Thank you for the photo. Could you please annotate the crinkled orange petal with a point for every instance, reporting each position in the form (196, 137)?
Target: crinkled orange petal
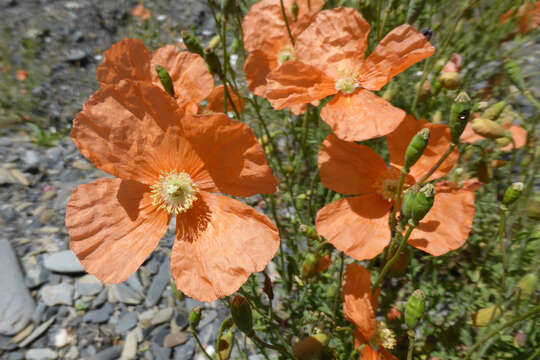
(191, 79)
(335, 42)
(219, 243)
(295, 83)
(400, 49)
(349, 168)
(357, 226)
(307, 9)
(323, 264)
(469, 136)
(113, 227)
(231, 154)
(361, 116)
(448, 223)
(216, 100)
(519, 135)
(438, 143)
(359, 305)
(141, 12)
(118, 127)
(257, 68)
(127, 59)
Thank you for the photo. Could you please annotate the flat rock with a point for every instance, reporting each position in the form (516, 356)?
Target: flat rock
(36, 276)
(130, 346)
(64, 262)
(88, 285)
(57, 294)
(174, 339)
(41, 354)
(37, 332)
(16, 304)
(100, 315)
(159, 283)
(111, 353)
(160, 353)
(123, 293)
(126, 322)
(162, 316)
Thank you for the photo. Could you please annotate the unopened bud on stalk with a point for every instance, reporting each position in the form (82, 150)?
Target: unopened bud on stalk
(459, 115)
(192, 43)
(311, 347)
(513, 71)
(241, 314)
(450, 80)
(486, 315)
(165, 79)
(416, 148)
(512, 193)
(309, 231)
(488, 128)
(195, 317)
(214, 42)
(414, 310)
(417, 202)
(414, 10)
(225, 345)
(309, 266)
(527, 285)
(494, 110)
(294, 10)
(212, 60)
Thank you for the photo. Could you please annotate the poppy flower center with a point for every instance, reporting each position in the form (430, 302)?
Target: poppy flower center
(383, 336)
(285, 54)
(387, 185)
(347, 81)
(174, 192)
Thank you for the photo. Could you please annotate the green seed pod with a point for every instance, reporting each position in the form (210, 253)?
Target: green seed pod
(513, 71)
(225, 345)
(414, 310)
(416, 148)
(241, 314)
(165, 79)
(494, 110)
(527, 285)
(309, 266)
(486, 315)
(450, 80)
(311, 347)
(195, 317)
(417, 202)
(459, 115)
(192, 43)
(488, 128)
(414, 10)
(512, 193)
(294, 10)
(309, 231)
(176, 293)
(212, 60)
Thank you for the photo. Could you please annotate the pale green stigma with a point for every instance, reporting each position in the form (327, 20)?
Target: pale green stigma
(285, 54)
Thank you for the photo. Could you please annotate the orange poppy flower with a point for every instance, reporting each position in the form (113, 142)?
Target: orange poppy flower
(528, 15)
(519, 135)
(359, 307)
(168, 163)
(358, 225)
(21, 75)
(192, 82)
(330, 61)
(141, 12)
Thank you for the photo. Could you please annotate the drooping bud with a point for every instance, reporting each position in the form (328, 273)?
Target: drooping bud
(309, 266)
(488, 128)
(195, 317)
(294, 10)
(212, 60)
(417, 202)
(416, 148)
(192, 43)
(459, 115)
(311, 347)
(485, 316)
(450, 80)
(414, 10)
(512, 193)
(513, 71)
(414, 310)
(494, 110)
(527, 285)
(176, 293)
(241, 314)
(165, 79)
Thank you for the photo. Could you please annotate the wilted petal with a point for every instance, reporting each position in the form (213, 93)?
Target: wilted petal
(357, 226)
(361, 116)
(400, 49)
(349, 168)
(335, 42)
(113, 227)
(219, 243)
(439, 141)
(359, 305)
(216, 100)
(127, 59)
(295, 83)
(448, 223)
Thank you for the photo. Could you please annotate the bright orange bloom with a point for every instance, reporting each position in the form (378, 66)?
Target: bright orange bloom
(141, 12)
(192, 82)
(330, 61)
(358, 225)
(528, 15)
(168, 163)
(267, 40)
(21, 75)
(359, 307)
(519, 135)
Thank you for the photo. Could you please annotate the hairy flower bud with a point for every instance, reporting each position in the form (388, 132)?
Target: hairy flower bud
(241, 314)
(165, 79)
(414, 310)
(486, 315)
(459, 115)
(450, 80)
(513, 71)
(195, 317)
(212, 60)
(488, 128)
(527, 285)
(493, 111)
(512, 193)
(192, 43)
(416, 148)
(311, 347)
(417, 202)
(309, 266)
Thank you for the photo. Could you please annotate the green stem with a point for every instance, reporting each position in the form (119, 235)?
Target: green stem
(194, 333)
(286, 21)
(503, 252)
(378, 20)
(278, 348)
(411, 344)
(341, 265)
(437, 164)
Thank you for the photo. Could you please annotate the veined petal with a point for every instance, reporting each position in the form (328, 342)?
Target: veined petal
(349, 168)
(400, 49)
(519, 135)
(219, 243)
(216, 100)
(359, 305)
(307, 9)
(264, 29)
(361, 116)
(357, 225)
(113, 227)
(127, 59)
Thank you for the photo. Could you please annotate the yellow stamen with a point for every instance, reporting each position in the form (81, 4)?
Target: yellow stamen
(174, 192)
(383, 336)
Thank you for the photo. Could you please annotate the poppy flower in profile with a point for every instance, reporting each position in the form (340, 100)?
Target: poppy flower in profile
(192, 82)
(519, 135)
(268, 42)
(330, 61)
(141, 12)
(358, 224)
(359, 306)
(528, 16)
(168, 162)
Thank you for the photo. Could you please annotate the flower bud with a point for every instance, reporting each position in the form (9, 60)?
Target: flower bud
(414, 10)
(527, 285)
(494, 110)
(459, 115)
(486, 315)
(165, 79)
(450, 80)
(513, 71)
(417, 202)
(192, 43)
(533, 208)
(488, 128)
(331, 291)
(484, 172)
(294, 10)
(268, 289)
(311, 347)
(225, 345)
(512, 193)
(212, 60)
(309, 266)
(241, 314)
(176, 293)
(416, 148)
(195, 317)
(414, 310)
(309, 231)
